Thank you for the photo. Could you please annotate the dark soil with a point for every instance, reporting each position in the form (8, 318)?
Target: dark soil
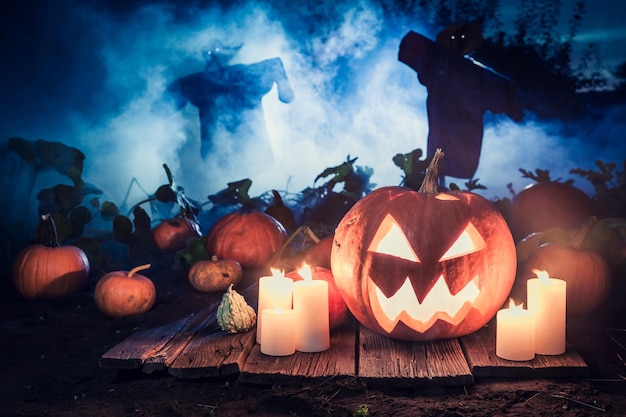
(50, 352)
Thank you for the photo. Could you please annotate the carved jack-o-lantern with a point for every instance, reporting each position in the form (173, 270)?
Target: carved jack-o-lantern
(423, 265)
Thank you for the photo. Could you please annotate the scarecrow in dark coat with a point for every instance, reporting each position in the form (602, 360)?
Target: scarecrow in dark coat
(460, 91)
(228, 98)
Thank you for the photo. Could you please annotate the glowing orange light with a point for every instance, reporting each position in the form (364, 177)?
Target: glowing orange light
(542, 275)
(305, 272)
(277, 273)
(516, 308)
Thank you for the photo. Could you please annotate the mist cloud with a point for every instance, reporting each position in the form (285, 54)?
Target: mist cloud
(352, 98)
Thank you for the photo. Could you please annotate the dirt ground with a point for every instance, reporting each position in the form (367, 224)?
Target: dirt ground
(49, 367)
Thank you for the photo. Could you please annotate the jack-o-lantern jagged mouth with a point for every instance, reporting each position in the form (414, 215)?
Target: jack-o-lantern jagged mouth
(439, 304)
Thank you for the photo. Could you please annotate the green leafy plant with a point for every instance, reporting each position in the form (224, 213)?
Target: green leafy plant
(609, 185)
(413, 167)
(62, 199)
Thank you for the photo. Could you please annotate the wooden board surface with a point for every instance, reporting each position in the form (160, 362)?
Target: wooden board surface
(186, 342)
(480, 351)
(385, 360)
(338, 361)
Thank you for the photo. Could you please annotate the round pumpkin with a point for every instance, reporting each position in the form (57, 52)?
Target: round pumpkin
(215, 275)
(586, 273)
(548, 204)
(121, 293)
(171, 235)
(337, 309)
(423, 265)
(319, 254)
(251, 238)
(50, 270)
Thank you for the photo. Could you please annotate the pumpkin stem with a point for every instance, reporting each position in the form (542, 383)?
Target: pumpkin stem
(278, 200)
(582, 232)
(137, 269)
(52, 235)
(430, 183)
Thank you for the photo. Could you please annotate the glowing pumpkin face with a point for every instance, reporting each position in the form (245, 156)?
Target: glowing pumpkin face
(422, 266)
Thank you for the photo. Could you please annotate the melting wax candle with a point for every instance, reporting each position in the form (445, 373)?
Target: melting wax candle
(310, 303)
(515, 333)
(275, 291)
(279, 331)
(546, 300)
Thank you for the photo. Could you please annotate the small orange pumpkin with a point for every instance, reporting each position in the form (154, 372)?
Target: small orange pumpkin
(587, 274)
(319, 254)
(215, 275)
(171, 235)
(51, 270)
(547, 204)
(120, 293)
(249, 237)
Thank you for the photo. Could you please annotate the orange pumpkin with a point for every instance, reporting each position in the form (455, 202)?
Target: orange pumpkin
(120, 293)
(251, 238)
(171, 235)
(51, 270)
(586, 272)
(215, 275)
(319, 254)
(337, 309)
(548, 204)
(423, 265)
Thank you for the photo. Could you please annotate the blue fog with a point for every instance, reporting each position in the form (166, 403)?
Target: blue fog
(89, 76)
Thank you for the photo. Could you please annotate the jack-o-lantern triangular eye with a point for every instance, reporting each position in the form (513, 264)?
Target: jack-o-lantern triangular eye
(390, 240)
(469, 241)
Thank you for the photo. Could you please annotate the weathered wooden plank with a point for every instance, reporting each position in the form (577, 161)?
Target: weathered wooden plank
(336, 362)
(167, 354)
(480, 350)
(213, 353)
(389, 361)
(155, 348)
(142, 345)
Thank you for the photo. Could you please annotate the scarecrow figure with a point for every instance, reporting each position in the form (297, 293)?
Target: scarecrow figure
(228, 98)
(460, 91)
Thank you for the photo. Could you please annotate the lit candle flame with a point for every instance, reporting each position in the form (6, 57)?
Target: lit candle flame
(277, 273)
(305, 272)
(514, 307)
(542, 275)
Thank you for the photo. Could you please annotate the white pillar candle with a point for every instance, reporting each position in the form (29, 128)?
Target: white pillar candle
(279, 331)
(515, 333)
(546, 299)
(274, 292)
(310, 303)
